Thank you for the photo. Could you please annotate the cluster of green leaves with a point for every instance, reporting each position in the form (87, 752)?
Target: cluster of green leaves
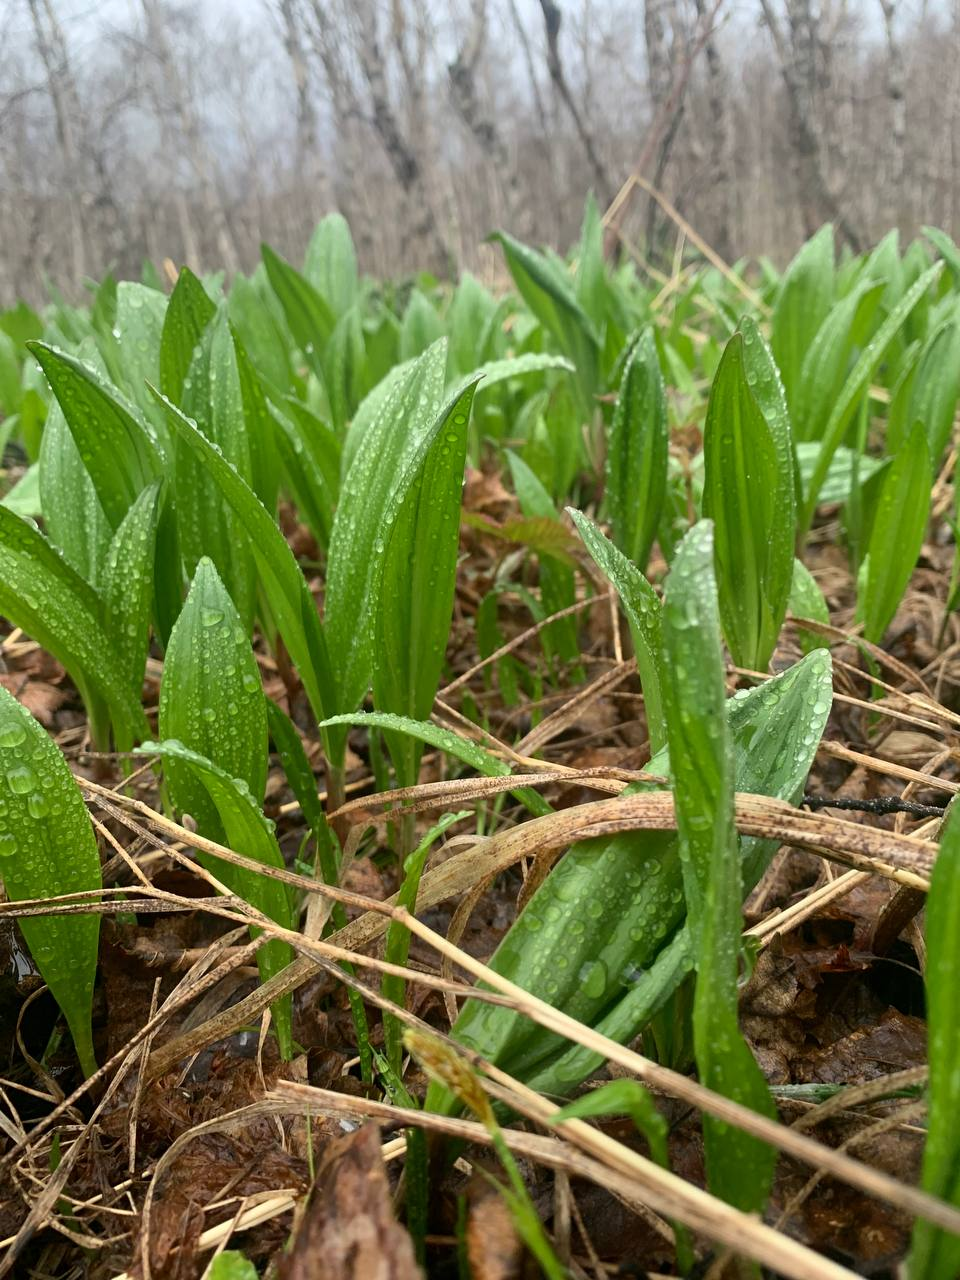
(162, 433)
(167, 430)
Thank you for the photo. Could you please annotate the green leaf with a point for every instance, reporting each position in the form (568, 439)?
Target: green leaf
(806, 601)
(344, 367)
(936, 387)
(946, 248)
(749, 493)
(103, 310)
(189, 312)
(258, 428)
(374, 489)
(856, 384)
(602, 937)
(206, 526)
(628, 1097)
(11, 390)
(883, 263)
(739, 1167)
(296, 766)
(897, 534)
(310, 319)
(698, 736)
(232, 1265)
(249, 832)
(41, 593)
(311, 462)
(73, 517)
(29, 421)
(470, 308)
(114, 447)
(128, 586)
(637, 450)
(622, 1098)
(211, 699)
(421, 326)
(827, 360)
(496, 371)
(331, 263)
(21, 323)
(803, 300)
(260, 333)
(370, 408)
(397, 945)
(846, 471)
(47, 848)
(24, 496)
(414, 605)
(470, 753)
(558, 588)
(642, 607)
(591, 284)
(286, 590)
(548, 292)
(139, 324)
(935, 1253)
(76, 520)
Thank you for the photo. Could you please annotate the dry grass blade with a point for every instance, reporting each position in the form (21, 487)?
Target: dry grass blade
(636, 180)
(888, 767)
(787, 1140)
(456, 791)
(819, 1156)
(516, 643)
(883, 659)
(901, 858)
(561, 719)
(790, 917)
(607, 1163)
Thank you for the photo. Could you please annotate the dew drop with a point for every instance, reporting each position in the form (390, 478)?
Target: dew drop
(38, 805)
(21, 779)
(593, 977)
(12, 734)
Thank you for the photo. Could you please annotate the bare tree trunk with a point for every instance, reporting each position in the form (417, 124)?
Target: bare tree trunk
(306, 116)
(463, 91)
(896, 94)
(529, 64)
(552, 18)
(401, 154)
(720, 143)
(664, 114)
(201, 161)
(66, 106)
(798, 69)
(661, 66)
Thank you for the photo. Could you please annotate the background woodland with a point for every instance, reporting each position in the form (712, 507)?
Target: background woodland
(150, 129)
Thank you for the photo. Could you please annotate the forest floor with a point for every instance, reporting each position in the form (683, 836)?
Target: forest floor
(156, 1166)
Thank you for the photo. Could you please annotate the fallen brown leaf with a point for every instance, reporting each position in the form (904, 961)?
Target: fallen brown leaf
(493, 1247)
(39, 697)
(348, 1231)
